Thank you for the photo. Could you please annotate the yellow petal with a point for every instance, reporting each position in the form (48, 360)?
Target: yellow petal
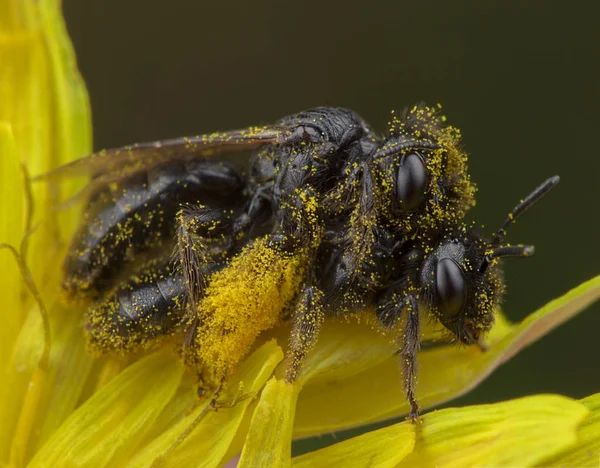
(179, 407)
(44, 99)
(587, 450)
(519, 432)
(72, 134)
(11, 232)
(37, 406)
(25, 103)
(209, 440)
(24, 83)
(340, 401)
(70, 113)
(269, 440)
(69, 367)
(382, 449)
(18, 377)
(108, 427)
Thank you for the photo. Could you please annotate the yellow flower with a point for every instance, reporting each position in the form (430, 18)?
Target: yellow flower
(61, 407)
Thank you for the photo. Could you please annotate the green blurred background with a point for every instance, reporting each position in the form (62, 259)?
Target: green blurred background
(521, 79)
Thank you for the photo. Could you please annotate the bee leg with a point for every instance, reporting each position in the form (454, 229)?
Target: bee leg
(299, 222)
(189, 346)
(257, 212)
(389, 313)
(337, 201)
(306, 323)
(196, 224)
(352, 135)
(214, 402)
(408, 353)
(202, 390)
(362, 233)
(240, 396)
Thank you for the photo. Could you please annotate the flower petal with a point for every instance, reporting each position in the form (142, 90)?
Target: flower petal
(109, 426)
(20, 376)
(71, 113)
(36, 401)
(210, 439)
(44, 99)
(382, 448)
(269, 440)
(69, 367)
(11, 232)
(520, 432)
(587, 450)
(340, 401)
(71, 108)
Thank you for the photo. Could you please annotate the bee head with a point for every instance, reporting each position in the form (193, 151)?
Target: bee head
(422, 171)
(463, 278)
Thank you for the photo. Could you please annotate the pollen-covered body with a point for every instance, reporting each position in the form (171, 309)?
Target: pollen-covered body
(329, 219)
(414, 184)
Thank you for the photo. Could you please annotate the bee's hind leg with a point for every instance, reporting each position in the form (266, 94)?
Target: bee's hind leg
(307, 320)
(197, 224)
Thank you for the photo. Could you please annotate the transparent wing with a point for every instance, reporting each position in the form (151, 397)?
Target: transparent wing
(118, 163)
(113, 165)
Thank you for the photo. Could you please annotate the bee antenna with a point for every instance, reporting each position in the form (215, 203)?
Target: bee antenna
(523, 205)
(507, 251)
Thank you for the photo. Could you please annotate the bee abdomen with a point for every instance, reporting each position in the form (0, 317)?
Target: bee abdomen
(139, 215)
(150, 305)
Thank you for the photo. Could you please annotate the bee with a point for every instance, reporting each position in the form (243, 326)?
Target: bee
(142, 196)
(414, 183)
(329, 219)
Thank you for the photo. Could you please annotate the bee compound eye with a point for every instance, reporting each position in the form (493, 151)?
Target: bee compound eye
(411, 181)
(450, 287)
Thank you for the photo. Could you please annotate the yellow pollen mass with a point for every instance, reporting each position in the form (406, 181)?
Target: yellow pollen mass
(245, 299)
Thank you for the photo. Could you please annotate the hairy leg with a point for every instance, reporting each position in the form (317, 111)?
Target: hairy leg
(300, 222)
(196, 224)
(389, 313)
(307, 321)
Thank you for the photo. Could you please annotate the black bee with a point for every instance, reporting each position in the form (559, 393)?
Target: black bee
(328, 219)
(414, 183)
(143, 195)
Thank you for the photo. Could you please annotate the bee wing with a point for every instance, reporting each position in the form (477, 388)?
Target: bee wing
(118, 163)
(114, 165)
